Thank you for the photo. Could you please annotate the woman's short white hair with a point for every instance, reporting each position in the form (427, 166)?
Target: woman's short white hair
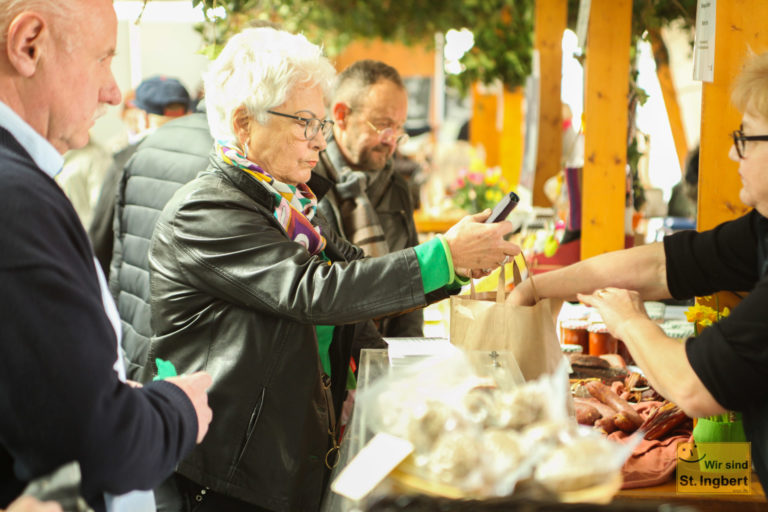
(257, 69)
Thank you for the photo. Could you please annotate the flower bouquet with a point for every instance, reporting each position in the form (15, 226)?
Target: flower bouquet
(478, 187)
(720, 428)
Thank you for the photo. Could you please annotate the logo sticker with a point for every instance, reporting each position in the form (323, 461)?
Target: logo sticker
(714, 468)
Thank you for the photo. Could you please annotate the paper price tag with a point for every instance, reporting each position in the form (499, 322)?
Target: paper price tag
(375, 461)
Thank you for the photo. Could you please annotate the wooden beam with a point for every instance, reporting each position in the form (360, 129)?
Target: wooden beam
(417, 60)
(512, 137)
(669, 93)
(550, 23)
(483, 128)
(739, 30)
(605, 106)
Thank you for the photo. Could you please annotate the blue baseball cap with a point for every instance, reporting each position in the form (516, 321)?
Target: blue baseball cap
(155, 95)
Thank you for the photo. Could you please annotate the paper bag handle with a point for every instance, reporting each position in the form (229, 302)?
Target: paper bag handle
(517, 278)
(500, 289)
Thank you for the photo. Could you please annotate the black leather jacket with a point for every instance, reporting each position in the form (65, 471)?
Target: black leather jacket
(233, 295)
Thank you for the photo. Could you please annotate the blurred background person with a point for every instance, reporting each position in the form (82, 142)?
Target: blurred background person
(155, 101)
(82, 175)
(370, 203)
(682, 202)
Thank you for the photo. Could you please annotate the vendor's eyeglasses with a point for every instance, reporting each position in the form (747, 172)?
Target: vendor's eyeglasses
(740, 140)
(386, 134)
(312, 125)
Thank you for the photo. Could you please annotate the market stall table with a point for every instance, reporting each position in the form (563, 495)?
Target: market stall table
(375, 363)
(667, 493)
(428, 223)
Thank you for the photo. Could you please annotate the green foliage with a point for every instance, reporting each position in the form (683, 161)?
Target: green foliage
(649, 14)
(503, 29)
(503, 32)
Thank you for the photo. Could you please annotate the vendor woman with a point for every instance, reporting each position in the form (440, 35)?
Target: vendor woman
(726, 366)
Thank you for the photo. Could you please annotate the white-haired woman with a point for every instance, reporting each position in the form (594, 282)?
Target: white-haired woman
(726, 366)
(247, 284)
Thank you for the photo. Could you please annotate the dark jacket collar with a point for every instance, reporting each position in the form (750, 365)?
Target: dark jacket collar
(318, 184)
(245, 183)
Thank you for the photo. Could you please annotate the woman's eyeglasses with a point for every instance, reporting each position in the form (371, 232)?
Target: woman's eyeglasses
(740, 140)
(312, 125)
(386, 134)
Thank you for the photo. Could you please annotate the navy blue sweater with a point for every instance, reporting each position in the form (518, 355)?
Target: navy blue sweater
(60, 397)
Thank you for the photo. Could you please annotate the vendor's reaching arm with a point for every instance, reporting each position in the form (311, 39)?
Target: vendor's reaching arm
(662, 359)
(640, 268)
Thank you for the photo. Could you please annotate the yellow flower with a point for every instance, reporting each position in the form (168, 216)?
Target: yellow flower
(476, 165)
(492, 176)
(704, 316)
(697, 313)
(700, 312)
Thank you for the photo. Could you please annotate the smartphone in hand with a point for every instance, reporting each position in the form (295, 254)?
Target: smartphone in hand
(503, 208)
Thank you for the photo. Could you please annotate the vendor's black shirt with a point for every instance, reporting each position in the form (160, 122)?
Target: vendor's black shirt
(731, 356)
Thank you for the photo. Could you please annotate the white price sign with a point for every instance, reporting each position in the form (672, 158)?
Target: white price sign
(704, 44)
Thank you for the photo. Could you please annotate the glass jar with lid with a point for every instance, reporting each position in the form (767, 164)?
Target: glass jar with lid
(600, 340)
(574, 332)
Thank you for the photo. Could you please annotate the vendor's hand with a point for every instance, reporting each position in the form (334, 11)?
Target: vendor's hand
(617, 307)
(521, 295)
(195, 386)
(475, 245)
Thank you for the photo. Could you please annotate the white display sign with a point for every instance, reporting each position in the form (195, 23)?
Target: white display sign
(704, 43)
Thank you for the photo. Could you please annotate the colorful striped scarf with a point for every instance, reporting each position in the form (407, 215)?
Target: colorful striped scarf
(296, 205)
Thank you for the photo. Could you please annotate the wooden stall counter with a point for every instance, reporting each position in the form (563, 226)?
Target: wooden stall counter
(427, 222)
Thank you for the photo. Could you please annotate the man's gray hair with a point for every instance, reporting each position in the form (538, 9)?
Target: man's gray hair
(353, 82)
(9, 9)
(257, 69)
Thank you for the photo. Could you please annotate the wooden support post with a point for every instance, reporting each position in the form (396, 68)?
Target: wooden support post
(483, 128)
(605, 106)
(511, 137)
(739, 30)
(550, 23)
(669, 93)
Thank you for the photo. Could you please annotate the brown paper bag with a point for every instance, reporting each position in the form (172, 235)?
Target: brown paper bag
(483, 321)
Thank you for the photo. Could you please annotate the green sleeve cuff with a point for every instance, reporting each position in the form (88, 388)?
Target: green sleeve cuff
(447, 251)
(460, 280)
(435, 264)
(457, 281)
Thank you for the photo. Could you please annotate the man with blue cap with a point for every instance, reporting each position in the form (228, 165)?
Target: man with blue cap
(157, 100)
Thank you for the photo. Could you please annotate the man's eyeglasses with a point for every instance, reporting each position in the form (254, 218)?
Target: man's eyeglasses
(387, 134)
(312, 125)
(740, 140)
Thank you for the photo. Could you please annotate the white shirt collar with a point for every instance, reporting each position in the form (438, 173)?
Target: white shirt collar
(42, 152)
